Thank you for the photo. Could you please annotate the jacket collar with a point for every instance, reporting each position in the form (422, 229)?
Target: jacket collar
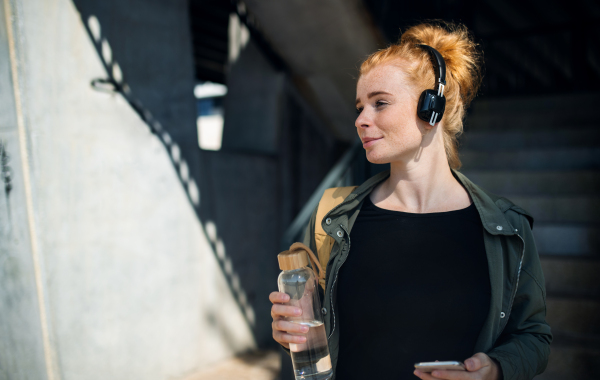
(490, 211)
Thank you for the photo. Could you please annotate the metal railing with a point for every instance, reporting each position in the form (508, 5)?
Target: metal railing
(343, 173)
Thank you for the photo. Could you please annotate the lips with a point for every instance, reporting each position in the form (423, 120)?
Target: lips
(368, 141)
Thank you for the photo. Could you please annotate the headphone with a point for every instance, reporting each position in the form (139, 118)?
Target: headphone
(432, 103)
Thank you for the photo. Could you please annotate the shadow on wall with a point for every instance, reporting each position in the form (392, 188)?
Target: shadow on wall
(179, 147)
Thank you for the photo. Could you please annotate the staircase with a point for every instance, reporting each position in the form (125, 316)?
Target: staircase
(544, 154)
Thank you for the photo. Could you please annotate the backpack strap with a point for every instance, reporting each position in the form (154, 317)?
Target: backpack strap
(324, 243)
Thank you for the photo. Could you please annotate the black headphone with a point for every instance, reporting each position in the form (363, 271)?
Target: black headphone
(432, 103)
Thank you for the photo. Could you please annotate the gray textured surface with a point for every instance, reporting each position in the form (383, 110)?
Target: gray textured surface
(531, 182)
(576, 158)
(21, 347)
(133, 286)
(542, 113)
(565, 276)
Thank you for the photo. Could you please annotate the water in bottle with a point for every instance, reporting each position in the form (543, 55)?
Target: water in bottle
(311, 359)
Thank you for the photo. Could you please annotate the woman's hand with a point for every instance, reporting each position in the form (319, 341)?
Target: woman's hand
(479, 367)
(282, 329)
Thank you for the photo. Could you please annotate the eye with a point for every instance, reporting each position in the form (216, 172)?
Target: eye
(380, 103)
(358, 111)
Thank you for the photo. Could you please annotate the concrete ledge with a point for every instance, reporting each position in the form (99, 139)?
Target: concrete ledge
(575, 316)
(571, 362)
(566, 276)
(520, 139)
(537, 104)
(538, 159)
(533, 113)
(566, 209)
(567, 238)
(526, 182)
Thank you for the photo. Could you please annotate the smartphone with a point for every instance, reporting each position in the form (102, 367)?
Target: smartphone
(432, 366)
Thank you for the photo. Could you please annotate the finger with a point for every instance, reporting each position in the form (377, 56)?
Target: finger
(424, 375)
(286, 311)
(278, 297)
(283, 337)
(289, 327)
(477, 361)
(453, 375)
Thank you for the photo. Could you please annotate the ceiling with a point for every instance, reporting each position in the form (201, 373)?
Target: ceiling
(530, 46)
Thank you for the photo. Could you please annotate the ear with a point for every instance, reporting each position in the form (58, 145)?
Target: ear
(429, 126)
(426, 127)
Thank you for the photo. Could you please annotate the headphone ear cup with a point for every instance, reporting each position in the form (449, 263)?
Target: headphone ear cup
(424, 107)
(430, 102)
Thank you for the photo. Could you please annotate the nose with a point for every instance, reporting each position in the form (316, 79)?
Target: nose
(363, 120)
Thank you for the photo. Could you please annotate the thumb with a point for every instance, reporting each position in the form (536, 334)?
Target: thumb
(476, 362)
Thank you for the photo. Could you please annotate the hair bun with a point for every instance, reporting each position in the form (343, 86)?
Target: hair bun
(459, 50)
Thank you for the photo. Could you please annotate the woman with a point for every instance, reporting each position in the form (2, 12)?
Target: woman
(439, 269)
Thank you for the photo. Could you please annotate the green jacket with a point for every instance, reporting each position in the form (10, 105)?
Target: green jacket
(515, 332)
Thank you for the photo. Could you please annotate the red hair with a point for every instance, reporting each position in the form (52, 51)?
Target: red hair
(463, 71)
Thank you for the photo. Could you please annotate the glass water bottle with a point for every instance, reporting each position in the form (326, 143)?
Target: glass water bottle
(311, 359)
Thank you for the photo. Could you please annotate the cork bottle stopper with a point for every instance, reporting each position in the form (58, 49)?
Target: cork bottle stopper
(292, 260)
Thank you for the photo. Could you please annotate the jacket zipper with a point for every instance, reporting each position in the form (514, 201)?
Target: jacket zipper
(514, 293)
(335, 280)
(348, 199)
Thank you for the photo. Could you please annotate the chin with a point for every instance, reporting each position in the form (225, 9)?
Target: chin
(377, 159)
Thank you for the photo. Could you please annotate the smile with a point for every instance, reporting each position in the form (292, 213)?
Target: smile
(370, 141)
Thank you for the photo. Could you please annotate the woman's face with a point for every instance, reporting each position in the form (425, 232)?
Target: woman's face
(387, 123)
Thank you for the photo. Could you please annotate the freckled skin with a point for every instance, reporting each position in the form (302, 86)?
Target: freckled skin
(420, 178)
(392, 116)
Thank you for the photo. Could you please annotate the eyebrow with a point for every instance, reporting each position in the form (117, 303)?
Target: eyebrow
(372, 94)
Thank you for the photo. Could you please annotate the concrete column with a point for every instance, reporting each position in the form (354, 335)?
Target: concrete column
(25, 349)
(105, 268)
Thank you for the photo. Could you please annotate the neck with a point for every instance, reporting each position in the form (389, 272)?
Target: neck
(422, 184)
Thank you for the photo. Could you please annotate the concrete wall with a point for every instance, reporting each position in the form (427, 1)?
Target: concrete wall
(21, 342)
(105, 266)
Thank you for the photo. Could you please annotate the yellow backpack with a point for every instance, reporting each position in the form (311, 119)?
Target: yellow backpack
(330, 199)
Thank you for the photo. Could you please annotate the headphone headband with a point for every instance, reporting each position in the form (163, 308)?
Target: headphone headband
(432, 102)
(438, 63)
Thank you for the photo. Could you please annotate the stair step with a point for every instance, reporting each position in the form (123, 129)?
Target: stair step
(565, 209)
(567, 276)
(567, 239)
(530, 121)
(573, 316)
(574, 103)
(534, 159)
(543, 153)
(537, 182)
(571, 361)
(521, 139)
(533, 113)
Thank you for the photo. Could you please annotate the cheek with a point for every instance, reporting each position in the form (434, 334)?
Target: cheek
(407, 135)
(403, 132)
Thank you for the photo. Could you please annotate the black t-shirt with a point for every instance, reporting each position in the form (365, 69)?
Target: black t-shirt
(414, 288)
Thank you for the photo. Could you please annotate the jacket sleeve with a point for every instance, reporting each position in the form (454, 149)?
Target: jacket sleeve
(524, 346)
